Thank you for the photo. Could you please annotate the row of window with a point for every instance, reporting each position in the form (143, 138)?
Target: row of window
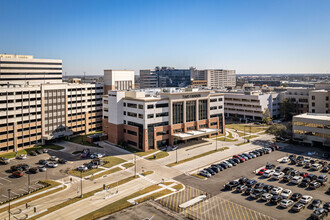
(215, 100)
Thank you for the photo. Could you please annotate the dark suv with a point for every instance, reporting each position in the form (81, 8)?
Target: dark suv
(231, 185)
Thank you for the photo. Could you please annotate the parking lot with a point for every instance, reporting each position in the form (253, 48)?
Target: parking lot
(214, 185)
(19, 185)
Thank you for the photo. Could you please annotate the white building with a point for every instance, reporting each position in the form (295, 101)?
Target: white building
(312, 129)
(118, 80)
(24, 69)
(148, 119)
(215, 78)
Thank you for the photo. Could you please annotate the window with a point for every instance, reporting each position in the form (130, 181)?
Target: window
(131, 132)
(141, 116)
(160, 133)
(124, 104)
(140, 106)
(213, 107)
(313, 104)
(162, 105)
(132, 114)
(190, 111)
(202, 107)
(313, 110)
(177, 112)
(203, 126)
(132, 143)
(178, 130)
(150, 106)
(313, 97)
(213, 100)
(220, 106)
(163, 114)
(131, 105)
(220, 99)
(214, 123)
(124, 113)
(124, 130)
(327, 98)
(150, 116)
(191, 128)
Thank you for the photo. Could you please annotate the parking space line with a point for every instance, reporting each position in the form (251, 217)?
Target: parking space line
(5, 196)
(23, 190)
(1, 184)
(5, 179)
(14, 193)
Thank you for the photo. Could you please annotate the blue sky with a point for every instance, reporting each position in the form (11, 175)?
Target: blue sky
(250, 36)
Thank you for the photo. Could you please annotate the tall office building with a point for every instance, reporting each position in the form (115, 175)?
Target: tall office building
(215, 78)
(118, 80)
(148, 79)
(24, 69)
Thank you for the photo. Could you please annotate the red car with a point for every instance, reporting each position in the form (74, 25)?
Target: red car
(240, 158)
(261, 172)
(18, 173)
(276, 146)
(304, 174)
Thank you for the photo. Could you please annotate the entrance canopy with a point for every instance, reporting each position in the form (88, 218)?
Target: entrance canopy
(194, 134)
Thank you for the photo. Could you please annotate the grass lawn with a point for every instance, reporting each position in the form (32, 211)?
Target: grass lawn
(241, 133)
(240, 127)
(250, 137)
(198, 176)
(50, 184)
(76, 199)
(154, 195)
(167, 183)
(178, 187)
(230, 135)
(263, 132)
(240, 144)
(84, 173)
(128, 165)
(28, 150)
(112, 161)
(193, 158)
(147, 173)
(226, 139)
(159, 155)
(118, 205)
(142, 154)
(105, 173)
(82, 139)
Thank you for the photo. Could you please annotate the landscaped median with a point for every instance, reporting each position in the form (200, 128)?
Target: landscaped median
(82, 139)
(85, 196)
(240, 144)
(49, 184)
(250, 137)
(116, 169)
(111, 161)
(226, 139)
(194, 157)
(84, 173)
(28, 150)
(246, 127)
(158, 155)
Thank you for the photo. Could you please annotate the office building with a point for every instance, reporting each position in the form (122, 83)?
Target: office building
(148, 79)
(215, 78)
(149, 119)
(33, 114)
(118, 80)
(299, 97)
(252, 104)
(312, 129)
(24, 69)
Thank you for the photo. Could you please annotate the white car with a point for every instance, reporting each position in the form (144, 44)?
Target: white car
(286, 203)
(316, 166)
(297, 180)
(266, 196)
(51, 164)
(285, 160)
(53, 158)
(286, 193)
(276, 190)
(229, 164)
(21, 157)
(306, 199)
(82, 168)
(268, 173)
(307, 159)
(278, 175)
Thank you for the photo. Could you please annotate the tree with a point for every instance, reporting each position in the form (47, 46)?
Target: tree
(266, 116)
(287, 109)
(278, 130)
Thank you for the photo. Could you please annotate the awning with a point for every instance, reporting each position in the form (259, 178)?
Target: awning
(57, 135)
(195, 133)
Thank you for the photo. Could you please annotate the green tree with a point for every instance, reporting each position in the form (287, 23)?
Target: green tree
(278, 130)
(287, 109)
(266, 116)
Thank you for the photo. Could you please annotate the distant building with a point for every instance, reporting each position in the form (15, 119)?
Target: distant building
(118, 80)
(24, 69)
(148, 79)
(299, 97)
(149, 119)
(312, 129)
(216, 78)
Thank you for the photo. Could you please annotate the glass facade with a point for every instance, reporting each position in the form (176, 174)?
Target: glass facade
(177, 112)
(202, 109)
(190, 111)
(168, 77)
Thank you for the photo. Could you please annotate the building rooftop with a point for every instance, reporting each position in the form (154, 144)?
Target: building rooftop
(316, 116)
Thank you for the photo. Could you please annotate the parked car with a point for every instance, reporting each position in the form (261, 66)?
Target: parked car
(18, 173)
(43, 162)
(301, 163)
(236, 160)
(266, 196)
(62, 161)
(53, 158)
(24, 166)
(317, 203)
(39, 151)
(279, 169)
(322, 179)
(82, 168)
(16, 168)
(314, 185)
(251, 182)
(45, 150)
(276, 199)
(210, 171)
(33, 153)
(296, 196)
(262, 171)
(52, 164)
(292, 156)
(276, 190)
(287, 178)
(21, 157)
(319, 213)
(305, 182)
(304, 174)
(286, 203)
(34, 170)
(4, 160)
(328, 191)
(248, 191)
(231, 185)
(204, 173)
(243, 180)
(286, 193)
(298, 206)
(285, 160)
(232, 162)
(229, 164)
(287, 170)
(257, 193)
(268, 173)
(296, 180)
(308, 165)
(295, 173)
(241, 188)
(325, 169)
(278, 176)
(268, 188)
(316, 166)
(306, 199)
(42, 168)
(312, 176)
(326, 206)
(270, 166)
(259, 186)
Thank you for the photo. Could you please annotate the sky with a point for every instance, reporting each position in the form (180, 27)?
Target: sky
(249, 36)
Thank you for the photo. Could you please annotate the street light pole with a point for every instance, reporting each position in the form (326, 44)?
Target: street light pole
(176, 153)
(244, 134)
(29, 183)
(9, 203)
(216, 142)
(81, 185)
(135, 164)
